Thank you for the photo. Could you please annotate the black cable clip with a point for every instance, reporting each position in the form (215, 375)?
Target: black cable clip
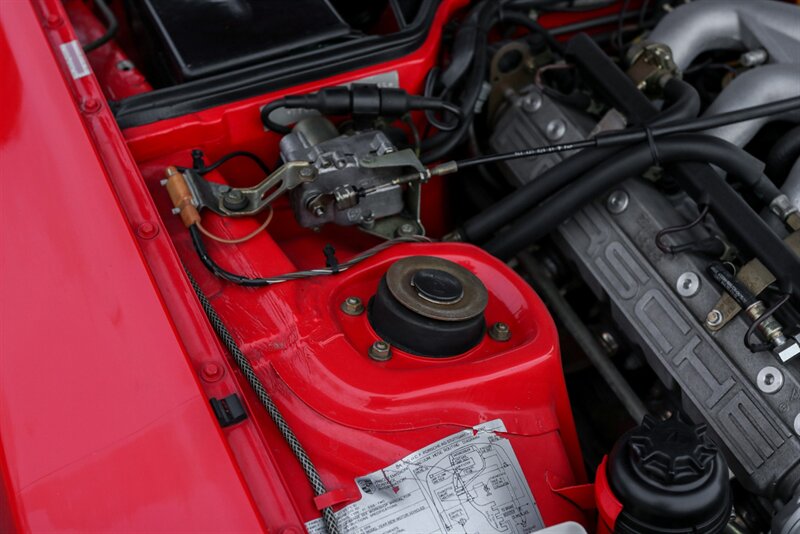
(330, 258)
(197, 160)
(651, 142)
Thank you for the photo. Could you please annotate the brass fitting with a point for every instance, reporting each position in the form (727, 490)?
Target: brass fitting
(651, 67)
(181, 196)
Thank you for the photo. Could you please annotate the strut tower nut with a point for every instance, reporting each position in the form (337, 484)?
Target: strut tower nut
(380, 351)
(352, 306)
(500, 332)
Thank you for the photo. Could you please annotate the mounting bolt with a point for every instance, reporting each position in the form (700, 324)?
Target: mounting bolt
(688, 284)
(714, 318)
(307, 172)
(380, 351)
(555, 129)
(531, 103)
(234, 200)
(609, 343)
(617, 202)
(406, 229)
(352, 306)
(500, 332)
(769, 379)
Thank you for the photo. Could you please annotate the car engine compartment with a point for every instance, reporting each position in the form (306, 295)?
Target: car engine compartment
(484, 267)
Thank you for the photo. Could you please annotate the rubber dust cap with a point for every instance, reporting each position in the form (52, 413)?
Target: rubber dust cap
(436, 285)
(429, 306)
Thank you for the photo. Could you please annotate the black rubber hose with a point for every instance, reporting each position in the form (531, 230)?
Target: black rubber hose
(631, 162)
(783, 155)
(441, 144)
(521, 19)
(480, 227)
(111, 27)
(359, 100)
(267, 120)
(682, 102)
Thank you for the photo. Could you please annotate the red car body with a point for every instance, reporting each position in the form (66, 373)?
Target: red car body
(107, 361)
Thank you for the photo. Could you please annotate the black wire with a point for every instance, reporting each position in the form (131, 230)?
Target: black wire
(621, 25)
(414, 132)
(237, 154)
(111, 27)
(643, 12)
(268, 122)
(764, 316)
(226, 158)
(521, 19)
(527, 153)
(441, 125)
(211, 265)
(552, 5)
(672, 249)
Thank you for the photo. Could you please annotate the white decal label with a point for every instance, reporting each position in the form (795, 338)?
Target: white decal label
(76, 59)
(470, 481)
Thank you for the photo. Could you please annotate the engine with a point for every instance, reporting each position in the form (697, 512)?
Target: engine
(485, 267)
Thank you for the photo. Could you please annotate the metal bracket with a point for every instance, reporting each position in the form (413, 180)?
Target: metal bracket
(243, 201)
(755, 277)
(403, 224)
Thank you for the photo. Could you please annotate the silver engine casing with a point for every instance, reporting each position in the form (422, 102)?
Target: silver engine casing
(612, 243)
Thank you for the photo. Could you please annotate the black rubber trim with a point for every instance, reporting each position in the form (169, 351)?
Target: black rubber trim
(271, 76)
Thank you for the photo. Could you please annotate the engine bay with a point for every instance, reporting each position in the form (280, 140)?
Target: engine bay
(511, 266)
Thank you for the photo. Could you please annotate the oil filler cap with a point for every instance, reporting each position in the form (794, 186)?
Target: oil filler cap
(429, 306)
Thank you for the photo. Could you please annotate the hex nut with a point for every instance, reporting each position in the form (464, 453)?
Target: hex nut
(500, 332)
(380, 351)
(788, 350)
(406, 230)
(714, 318)
(352, 306)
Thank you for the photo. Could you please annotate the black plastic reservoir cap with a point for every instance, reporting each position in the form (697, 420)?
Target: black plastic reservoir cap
(670, 478)
(437, 285)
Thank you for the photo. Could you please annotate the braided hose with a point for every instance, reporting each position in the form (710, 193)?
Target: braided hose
(328, 517)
